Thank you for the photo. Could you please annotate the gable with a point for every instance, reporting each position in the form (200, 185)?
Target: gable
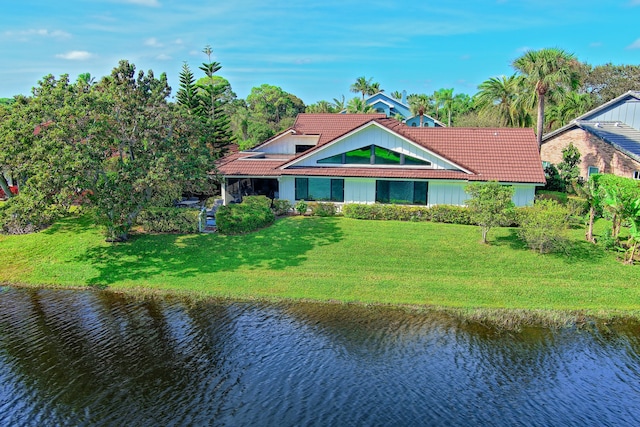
(377, 136)
(626, 111)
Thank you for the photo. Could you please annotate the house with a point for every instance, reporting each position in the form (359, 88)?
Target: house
(608, 138)
(393, 108)
(369, 158)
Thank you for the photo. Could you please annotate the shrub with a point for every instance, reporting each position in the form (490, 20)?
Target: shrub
(281, 207)
(244, 217)
(490, 205)
(263, 201)
(386, 212)
(323, 208)
(26, 213)
(543, 226)
(301, 207)
(558, 196)
(169, 220)
(451, 214)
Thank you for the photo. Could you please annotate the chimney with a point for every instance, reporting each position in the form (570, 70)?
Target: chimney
(404, 97)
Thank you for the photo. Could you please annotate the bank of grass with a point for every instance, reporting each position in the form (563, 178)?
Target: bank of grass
(342, 260)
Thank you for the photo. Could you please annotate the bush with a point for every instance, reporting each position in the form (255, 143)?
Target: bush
(281, 207)
(27, 213)
(169, 220)
(244, 217)
(543, 226)
(558, 196)
(323, 208)
(301, 207)
(263, 201)
(386, 212)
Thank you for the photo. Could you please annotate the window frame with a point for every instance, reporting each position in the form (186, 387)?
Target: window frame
(379, 184)
(333, 184)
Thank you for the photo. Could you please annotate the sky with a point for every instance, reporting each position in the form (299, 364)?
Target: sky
(312, 49)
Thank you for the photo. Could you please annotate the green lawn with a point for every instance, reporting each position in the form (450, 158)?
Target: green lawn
(332, 259)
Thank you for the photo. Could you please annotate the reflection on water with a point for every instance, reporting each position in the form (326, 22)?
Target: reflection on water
(96, 358)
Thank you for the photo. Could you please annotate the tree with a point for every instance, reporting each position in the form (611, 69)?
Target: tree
(419, 104)
(358, 106)
(490, 205)
(339, 103)
(568, 167)
(503, 97)
(618, 196)
(573, 105)
(273, 106)
(362, 85)
(397, 95)
(321, 107)
(590, 191)
(547, 71)
(606, 82)
(634, 230)
(374, 88)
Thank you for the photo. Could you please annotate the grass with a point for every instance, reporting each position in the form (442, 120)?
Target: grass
(335, 259)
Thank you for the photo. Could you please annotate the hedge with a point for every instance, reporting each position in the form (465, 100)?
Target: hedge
(170, 220)
(439, 213)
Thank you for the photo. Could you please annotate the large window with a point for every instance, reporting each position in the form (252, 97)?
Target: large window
(592, 171)
(320, 189)
(373, 155)
(402, 192)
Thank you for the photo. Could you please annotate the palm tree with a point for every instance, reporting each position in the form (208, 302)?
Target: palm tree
(339, 104)
(321, 107)
(446, 98)
(573, 105)
(546, 71)
(419, 103)
(502, 95)
(374, 88)
(358, 106)
(362, 85)
(397, 95)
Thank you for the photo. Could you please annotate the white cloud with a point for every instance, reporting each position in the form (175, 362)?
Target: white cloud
(75, 55)
(153, 42)
(634, 45)
(163, 57)
(37, 32)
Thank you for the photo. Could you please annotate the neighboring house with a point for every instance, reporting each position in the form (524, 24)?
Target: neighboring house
(391, 107)
(608, 138)
(369, 158)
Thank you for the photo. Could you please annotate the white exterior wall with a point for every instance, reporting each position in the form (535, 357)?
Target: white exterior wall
(380, 137)
(363, 190)
(359, 190)
(287, 144)
(287, 188)
(447, 193)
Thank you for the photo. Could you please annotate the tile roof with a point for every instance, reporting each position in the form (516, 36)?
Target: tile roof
(502, 154)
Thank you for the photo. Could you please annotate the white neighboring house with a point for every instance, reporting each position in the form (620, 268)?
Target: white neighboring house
(369, 158)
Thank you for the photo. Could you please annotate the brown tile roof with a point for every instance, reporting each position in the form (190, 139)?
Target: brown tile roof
(502, 154)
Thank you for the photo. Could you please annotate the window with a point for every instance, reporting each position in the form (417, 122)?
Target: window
(592, 171)
(320, 189)
(636, 174)
(402, 192)
(303, 148)
(373, 155)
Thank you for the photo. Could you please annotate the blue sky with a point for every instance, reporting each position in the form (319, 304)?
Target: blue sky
(312, 49)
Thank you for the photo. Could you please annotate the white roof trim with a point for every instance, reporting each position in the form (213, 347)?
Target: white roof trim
(274, 138)
(364, 126)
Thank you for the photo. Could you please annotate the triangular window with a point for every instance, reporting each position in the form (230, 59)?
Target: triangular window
(373, 155)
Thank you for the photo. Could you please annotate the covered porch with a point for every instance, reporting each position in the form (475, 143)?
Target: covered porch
(234, 189)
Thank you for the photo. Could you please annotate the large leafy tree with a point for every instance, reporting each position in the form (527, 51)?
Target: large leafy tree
(274, 107)
(547, 71)
(608, 81)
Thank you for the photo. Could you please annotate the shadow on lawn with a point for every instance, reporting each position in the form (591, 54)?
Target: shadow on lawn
(72, 223)
(282, 245)
(573, 250)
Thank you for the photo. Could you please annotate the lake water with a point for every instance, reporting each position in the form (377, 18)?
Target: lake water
(95, 358)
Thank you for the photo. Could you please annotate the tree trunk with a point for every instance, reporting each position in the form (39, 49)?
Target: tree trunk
(592, 216)
(540, 124)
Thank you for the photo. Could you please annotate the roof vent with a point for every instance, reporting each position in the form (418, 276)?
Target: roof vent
(597, 125)
(616, 124)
